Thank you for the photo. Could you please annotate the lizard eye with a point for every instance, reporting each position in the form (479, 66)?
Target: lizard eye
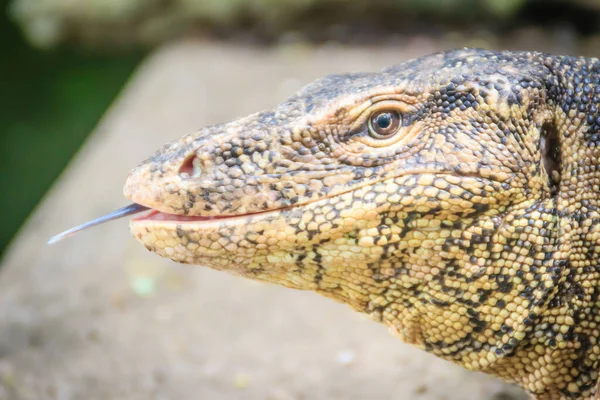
(383, 124)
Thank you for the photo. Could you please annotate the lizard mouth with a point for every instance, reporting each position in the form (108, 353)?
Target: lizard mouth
(155, 215)
(152, 216)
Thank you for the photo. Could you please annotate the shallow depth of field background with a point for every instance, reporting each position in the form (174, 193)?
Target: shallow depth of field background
(88, 88)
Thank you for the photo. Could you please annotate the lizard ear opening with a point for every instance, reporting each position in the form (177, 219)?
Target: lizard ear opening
(551, 154)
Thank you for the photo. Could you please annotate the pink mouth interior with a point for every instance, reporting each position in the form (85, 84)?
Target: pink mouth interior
(155, 215)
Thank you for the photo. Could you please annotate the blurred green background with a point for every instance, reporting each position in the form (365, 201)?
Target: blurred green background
(51, 99)
(64, 61)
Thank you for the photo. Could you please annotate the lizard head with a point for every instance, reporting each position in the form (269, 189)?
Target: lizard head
(402, 193)
(453, 198)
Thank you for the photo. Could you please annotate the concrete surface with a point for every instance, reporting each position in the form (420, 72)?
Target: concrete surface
(98, 317)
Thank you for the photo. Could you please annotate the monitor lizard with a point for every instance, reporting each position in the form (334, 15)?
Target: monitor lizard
(453, 198)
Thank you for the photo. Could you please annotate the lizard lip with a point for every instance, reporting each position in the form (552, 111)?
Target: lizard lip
(156, 215)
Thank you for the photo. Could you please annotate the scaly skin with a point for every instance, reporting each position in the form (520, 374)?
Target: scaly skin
(472, 232)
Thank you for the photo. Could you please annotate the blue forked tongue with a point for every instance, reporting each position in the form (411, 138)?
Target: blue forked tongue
(120, 213)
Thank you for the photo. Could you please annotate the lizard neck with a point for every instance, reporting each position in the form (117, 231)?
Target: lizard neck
(528, 283)
(564, 329)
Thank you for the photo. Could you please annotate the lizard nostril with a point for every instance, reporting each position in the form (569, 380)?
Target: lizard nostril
(190, 167)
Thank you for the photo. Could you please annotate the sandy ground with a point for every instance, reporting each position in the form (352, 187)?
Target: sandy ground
(98, 317)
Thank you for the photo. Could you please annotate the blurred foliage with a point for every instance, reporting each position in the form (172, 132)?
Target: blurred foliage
(50, 102)
(50, 22)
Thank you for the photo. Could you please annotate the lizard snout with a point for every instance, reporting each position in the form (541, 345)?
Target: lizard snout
(222, 170)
